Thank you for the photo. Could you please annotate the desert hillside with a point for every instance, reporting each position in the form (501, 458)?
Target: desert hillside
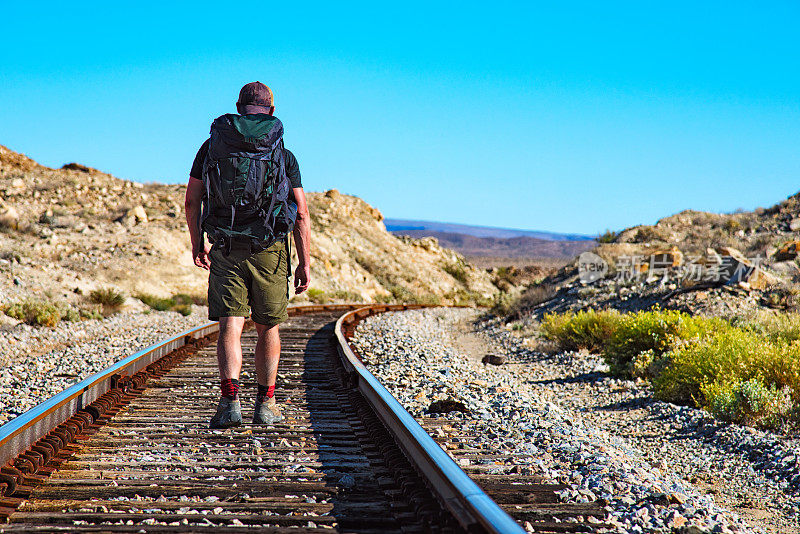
(720, 264)
(65, 232)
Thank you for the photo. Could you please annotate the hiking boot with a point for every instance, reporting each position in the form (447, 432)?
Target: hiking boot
(267, 412)
(229, 413)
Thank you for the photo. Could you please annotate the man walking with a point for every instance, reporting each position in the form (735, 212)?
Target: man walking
(245, 193)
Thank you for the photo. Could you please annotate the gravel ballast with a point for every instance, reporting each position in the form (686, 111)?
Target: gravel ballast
(39, 362)
(656, 467)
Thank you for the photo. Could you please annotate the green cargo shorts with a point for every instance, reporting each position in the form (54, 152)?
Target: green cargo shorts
(241, 282)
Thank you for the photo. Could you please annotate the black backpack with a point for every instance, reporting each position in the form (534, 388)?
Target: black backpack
(248, 195)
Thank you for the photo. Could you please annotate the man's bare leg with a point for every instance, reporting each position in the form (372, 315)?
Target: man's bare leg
(229, 347)
(268, 354)
(229, 359)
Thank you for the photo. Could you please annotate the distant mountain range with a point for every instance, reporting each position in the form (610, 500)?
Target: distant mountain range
(405, 225)
(485, 241)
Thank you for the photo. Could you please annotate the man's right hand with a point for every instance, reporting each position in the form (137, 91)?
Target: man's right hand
(200, 256)
(194, 203)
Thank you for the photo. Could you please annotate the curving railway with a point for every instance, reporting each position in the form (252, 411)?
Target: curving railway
(127, 450)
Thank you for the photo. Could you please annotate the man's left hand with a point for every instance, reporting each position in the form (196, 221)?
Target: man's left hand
(302, 277)
(200, 256)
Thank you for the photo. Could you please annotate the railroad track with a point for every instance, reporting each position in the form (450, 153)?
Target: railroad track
(128, 450)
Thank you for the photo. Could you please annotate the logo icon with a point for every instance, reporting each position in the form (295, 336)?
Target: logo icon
(591, 267)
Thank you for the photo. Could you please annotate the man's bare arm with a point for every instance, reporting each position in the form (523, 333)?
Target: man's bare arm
(302, 274)
(194, 201)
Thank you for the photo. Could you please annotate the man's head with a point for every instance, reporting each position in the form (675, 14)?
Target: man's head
(255, 97)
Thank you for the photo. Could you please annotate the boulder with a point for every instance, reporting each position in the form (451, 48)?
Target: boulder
(787, 269)
(174, 211)
(660, 260)
(712, 256)
(447, 405)
(427, 243)
(787, 252)
(672, 257)
(730, 251)
(760, 279)
(139, 214)
(9, 216)
(134, 216)
(794, 224)
(493, 359)
(736, 268)
(76, 167)
(376, 214)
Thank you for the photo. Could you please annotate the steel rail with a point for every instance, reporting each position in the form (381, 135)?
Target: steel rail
(468, 503)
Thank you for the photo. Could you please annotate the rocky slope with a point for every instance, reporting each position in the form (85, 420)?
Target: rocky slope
(64, 232)
(715, 264)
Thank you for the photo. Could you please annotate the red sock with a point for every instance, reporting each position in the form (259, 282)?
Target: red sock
(265, 392)
(230, 388)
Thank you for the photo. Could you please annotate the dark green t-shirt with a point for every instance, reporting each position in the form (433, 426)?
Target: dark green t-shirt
(291, 167)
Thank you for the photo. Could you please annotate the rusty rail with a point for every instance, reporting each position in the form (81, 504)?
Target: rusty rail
(29, 441)
(468, 503)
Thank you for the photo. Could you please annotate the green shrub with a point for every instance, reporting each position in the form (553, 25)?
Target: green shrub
(183, 309)
(429, 299)
(609, 236)
(630, 343)
(729, 357)
(732, 225)
(33, 312)
(347, 296)
(504, 274)
(71, 315)
(383, 299)
(465, 297)
(590, 330)
(44, 313)
(180, 302)
(775, 326)
(640, 339)
(90, 313)
(402, 294)
(317, 295)
(749, 402)
(725, 357)
(108, 297)
(478, 300)
(157, 303)
(502, 304)
(186, 299)
(457, 271)
(535, 295)
(747, 373)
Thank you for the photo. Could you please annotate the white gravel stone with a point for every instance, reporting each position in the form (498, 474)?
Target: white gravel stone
(514, 409)
(39, 362)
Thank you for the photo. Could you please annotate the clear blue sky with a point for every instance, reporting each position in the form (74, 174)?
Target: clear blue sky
(575, 118)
